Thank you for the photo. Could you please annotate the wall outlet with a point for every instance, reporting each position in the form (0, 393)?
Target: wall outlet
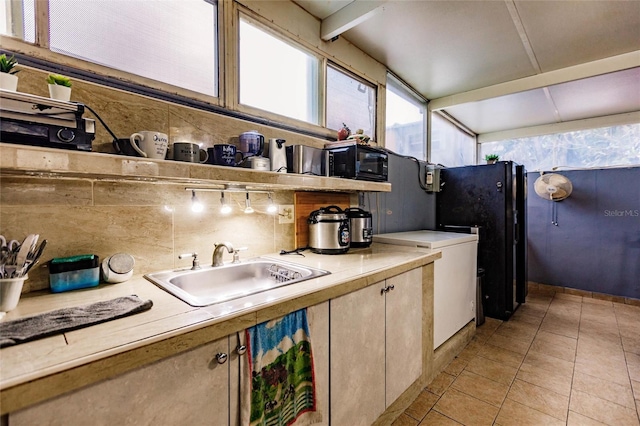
(285, 213)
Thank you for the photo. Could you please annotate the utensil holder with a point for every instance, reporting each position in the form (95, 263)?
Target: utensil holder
(10, 291)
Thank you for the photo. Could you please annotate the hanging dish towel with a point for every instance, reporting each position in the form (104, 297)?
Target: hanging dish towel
(279, 387)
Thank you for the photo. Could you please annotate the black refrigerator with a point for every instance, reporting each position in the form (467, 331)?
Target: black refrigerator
(491, 197)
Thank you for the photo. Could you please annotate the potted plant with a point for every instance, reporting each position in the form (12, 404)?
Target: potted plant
(491, 158)
(59, 87)
(8, 77)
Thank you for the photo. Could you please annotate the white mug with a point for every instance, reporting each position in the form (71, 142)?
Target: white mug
(150, 144)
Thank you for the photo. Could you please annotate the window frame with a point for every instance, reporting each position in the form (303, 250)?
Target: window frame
(356, 77)
(407, 92)
(253, 19)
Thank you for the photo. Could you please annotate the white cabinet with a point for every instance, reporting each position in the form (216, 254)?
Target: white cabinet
(376, 347)
(189, 388)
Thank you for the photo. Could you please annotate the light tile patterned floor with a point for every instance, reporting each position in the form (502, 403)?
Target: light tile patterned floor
(560, 360)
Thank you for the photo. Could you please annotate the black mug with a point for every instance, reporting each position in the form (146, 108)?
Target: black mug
(224, 155)
(123, 146)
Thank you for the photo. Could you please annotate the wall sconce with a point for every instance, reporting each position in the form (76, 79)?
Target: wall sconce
(225, 208)
(248, 209)
(196, 205)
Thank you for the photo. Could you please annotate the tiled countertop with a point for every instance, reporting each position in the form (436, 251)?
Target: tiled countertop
(38, 370)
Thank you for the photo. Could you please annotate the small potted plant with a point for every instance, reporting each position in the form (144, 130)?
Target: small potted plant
(59, 87)
(8, 77)
(491, 158)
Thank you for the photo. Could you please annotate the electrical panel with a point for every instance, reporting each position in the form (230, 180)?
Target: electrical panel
(432, 178)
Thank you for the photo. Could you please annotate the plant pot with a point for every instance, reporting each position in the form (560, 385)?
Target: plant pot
(8, 81)
(60, 93)
(491, 161)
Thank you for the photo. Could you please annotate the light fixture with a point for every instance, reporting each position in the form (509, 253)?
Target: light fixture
(272, 208)
(248, 209)
(226, 208)
(196, 205)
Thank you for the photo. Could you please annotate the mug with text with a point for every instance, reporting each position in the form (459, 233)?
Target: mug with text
(150, 144)
(189, 152)
(224, 155)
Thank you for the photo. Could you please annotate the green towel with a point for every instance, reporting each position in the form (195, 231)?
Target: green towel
(61, 320)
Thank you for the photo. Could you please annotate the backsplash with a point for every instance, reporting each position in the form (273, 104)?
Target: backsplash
(151, 221)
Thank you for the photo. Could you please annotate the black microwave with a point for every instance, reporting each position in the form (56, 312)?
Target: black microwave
(357, 162)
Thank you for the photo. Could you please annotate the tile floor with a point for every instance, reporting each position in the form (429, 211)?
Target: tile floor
(560, 360)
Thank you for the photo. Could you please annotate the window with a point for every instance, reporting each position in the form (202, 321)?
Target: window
(175, 41)
(277, 77)
(603, 147)
(350, 101)
(17, 19)
(405, 125)
(450, 146)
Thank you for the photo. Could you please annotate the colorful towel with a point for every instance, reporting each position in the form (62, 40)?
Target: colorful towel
(282, 386)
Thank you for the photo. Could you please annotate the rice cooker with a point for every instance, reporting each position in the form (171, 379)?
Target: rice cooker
(360, 225)
(329, 231)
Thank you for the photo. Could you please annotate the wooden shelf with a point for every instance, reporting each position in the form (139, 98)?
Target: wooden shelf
(26, 160)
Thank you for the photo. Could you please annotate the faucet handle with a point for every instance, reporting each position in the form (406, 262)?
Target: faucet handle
(236, 254)
(196, 263)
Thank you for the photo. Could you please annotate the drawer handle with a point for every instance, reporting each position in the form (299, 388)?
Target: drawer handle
(221, 358)
(241, 349)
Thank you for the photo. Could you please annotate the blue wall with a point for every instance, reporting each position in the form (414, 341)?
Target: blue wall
(596, 245)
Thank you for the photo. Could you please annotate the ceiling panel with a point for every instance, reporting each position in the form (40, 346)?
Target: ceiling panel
(566, 33)
(608, 94)
(445, 47)
(530, 108)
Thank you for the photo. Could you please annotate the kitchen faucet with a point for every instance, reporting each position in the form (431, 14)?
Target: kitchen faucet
(217, 253)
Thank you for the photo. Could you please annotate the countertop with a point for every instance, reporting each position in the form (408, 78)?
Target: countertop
(38, 370)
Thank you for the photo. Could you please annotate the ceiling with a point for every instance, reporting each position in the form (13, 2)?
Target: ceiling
(499, 67)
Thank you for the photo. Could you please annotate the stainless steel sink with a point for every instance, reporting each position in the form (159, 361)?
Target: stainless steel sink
(211, 285)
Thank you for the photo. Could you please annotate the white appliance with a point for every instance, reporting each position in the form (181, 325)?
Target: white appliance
(454, 276)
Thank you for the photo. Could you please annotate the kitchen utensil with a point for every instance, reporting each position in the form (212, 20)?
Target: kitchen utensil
(34, 257)
(27, 246)
(118, 268)
(278, 155)
(251, 143)
(360, 225)
(329, 231)
(150, 144)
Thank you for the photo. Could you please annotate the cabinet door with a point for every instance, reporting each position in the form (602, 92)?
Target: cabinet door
(357, 357)
(403, 333)
(190, 388)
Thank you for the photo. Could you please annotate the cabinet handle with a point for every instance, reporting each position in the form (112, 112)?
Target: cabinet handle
(221, 358)
(387, 289)
(241, 349)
